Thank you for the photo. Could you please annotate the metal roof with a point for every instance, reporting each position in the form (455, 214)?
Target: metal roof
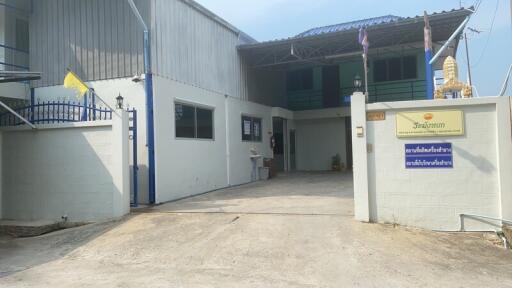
(350, 25)
(327, 43)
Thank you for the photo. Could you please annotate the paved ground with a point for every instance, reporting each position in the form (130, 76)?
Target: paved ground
(295, 231)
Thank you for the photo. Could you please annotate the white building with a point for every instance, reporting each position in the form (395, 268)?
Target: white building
(211, 96)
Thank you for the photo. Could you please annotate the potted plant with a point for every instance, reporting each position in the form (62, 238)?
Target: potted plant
(336, 163)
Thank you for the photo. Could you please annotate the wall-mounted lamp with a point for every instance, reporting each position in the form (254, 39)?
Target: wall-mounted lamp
(119, 100)
(358, 83)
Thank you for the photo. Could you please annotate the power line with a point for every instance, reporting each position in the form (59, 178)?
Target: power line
(490, 32)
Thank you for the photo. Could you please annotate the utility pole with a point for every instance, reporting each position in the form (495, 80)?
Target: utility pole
(467, 59)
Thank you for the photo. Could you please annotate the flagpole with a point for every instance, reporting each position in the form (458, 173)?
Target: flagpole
(104, 102)
(429, 75)
(365, 60)
(363, 40)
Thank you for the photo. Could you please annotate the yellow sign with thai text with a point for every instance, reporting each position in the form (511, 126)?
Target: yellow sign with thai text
(430, 123)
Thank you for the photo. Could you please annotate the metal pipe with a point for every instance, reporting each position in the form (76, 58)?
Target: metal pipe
(17, 115)
(449, 41)
(137, 14)
(148, 89)
(482, 217)
(505, 83)
(467, 60)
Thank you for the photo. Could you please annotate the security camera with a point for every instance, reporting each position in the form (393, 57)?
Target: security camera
(137, 78)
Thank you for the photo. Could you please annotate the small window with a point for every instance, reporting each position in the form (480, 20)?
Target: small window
(185, 121)
(410, 67)
(380, 70)
(251, 129)
(204, 123)
(299, 80)
(193, 122)
(395, 69)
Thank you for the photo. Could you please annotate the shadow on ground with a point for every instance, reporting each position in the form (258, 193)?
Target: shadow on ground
(18, 254)
(298, 192)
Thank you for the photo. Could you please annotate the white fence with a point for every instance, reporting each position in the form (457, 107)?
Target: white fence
(76, 170)
(474, 179)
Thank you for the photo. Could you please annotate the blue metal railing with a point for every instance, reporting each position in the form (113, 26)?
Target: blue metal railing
(51, 112)
(391, 91)
(378, 92)
(12, 58)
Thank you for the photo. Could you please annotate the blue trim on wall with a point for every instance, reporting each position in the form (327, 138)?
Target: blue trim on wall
(429, 76)
(150, 137)
(32, 103)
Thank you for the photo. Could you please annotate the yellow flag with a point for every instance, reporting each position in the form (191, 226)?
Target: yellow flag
(72, 81)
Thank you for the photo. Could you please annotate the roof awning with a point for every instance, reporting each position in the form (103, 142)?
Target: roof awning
(18, 76)
(328, 46)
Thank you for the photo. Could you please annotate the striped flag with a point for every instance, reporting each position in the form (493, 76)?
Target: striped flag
(363, 40)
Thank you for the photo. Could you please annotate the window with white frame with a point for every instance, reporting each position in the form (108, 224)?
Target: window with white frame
(251, 129)
(193, 122)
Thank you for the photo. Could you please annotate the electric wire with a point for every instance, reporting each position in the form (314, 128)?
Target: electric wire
(490, 32)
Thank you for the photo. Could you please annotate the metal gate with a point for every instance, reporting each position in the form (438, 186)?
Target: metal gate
(134, 191)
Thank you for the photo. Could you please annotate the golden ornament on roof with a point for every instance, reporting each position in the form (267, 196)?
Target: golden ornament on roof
(451, 81)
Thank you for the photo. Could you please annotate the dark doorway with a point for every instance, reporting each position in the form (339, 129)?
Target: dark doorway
(348, 135)
(279, 148)
(331, 86)
(293, 164)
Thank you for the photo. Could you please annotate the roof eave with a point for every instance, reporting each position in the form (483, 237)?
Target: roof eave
(404, 22)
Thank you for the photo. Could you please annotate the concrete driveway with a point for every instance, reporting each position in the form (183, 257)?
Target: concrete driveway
(296, 193)
(294, 231)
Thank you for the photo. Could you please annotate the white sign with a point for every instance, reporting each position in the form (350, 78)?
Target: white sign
(247, 127)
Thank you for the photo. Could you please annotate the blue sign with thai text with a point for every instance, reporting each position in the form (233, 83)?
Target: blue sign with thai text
(428, 156)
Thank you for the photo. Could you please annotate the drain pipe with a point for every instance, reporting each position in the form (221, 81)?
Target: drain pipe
(148, 89)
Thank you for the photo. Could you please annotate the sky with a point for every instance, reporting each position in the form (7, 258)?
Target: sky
(490, 51)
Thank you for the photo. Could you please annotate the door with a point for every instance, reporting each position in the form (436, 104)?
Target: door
(293, 165)
(331, 86)
(348, 141)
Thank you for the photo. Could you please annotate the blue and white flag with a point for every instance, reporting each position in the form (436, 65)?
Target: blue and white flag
(363, 40)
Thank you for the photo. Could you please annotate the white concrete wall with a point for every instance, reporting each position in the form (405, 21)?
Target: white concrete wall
(78, 170)
(240, 164)
(360, 158)
(14, 90)
(434, 198)
(186, 167)
(318, 141)
(134, 97)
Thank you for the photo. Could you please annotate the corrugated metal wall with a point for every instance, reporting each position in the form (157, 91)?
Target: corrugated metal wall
(101, 39)
(98, 39)
(190, 47)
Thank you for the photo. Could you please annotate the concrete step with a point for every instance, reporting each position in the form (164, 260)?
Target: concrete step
(507, 230)
(27, 228)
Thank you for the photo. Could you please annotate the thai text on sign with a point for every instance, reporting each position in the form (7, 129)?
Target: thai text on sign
(428, 156)
(430, 123)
